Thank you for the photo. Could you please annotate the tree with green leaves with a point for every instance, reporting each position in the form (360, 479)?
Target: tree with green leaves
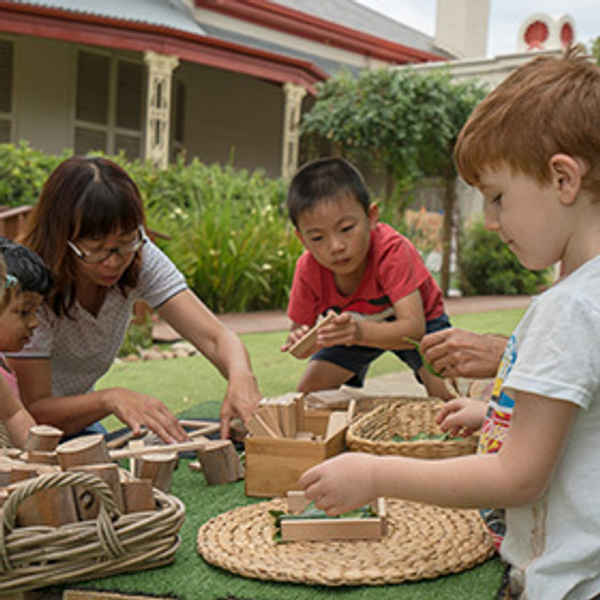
(401, 122)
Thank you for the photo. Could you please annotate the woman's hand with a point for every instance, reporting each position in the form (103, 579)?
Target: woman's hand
(461, 353)
(136, 409)
(461, 416)
(241, 400)
(342, 483)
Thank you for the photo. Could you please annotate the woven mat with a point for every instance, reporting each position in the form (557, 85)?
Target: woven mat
(422, 542)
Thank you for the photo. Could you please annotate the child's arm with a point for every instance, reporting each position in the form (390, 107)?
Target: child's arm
(388, 335)
(462, 416)
(518, 474)
(14, 416)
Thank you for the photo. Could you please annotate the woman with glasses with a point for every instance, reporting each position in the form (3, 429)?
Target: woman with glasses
(88, 226)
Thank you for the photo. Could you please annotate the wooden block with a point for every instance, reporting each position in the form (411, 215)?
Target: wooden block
(337, 421)
(371, 528)
(44, 438)
(296, 502)
(120, 441)
(129, 452)
(305, 435)
(200, 427)
(310, 337)
(258, 428)
(300, 414)
(132, 446)
(195, 465)
(41, 457)
(158, 468)
(51, 507)
(220, 463)
(90, 595)
(287, 418)
(270, 415)
(137, 495)
(88, 505)
(29, 595)
(83, 450)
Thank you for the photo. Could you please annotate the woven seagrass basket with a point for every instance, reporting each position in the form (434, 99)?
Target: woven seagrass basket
(375, 431)
(39, 556)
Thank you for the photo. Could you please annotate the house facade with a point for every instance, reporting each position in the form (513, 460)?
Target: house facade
(219, 80)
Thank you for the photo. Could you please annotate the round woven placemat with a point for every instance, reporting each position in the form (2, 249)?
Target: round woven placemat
(422, 542)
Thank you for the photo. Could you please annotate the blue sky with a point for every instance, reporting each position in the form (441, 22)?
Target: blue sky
(506, 17)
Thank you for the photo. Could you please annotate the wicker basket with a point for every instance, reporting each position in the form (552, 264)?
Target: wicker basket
(39, 556)
(374, 431)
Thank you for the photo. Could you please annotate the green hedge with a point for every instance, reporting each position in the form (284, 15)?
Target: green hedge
(487, 266)
(229, 233)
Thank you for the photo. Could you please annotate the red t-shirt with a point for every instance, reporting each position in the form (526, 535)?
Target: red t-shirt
(394, 270)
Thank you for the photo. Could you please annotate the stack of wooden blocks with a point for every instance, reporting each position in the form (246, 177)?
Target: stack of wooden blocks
(150, 467)
(284, 440)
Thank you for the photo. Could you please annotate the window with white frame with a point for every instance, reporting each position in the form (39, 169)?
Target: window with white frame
(109, 105)
(6, 90)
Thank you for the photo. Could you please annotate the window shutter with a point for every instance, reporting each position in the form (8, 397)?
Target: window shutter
(130, 79)
(93, 72)
(6, 76)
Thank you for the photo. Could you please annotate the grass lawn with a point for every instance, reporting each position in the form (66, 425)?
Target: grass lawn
(184, 383)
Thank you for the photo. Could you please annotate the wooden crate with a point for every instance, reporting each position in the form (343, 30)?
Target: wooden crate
(274, 465)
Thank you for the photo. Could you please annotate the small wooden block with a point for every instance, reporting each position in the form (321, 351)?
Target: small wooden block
(287, 418)
(138, 495)
(41, 457)
(158, 468)
(221, 463)
(44, 438)
(270, 415)
(195, 465)
(337, 421)
(305, 435)
(51, 507)
(258, 428)
(89, 595)
(296, 502)
(120, 441)
(83, 450)
(133, 445)
(129, 452)
(88, 505)
(310, 337)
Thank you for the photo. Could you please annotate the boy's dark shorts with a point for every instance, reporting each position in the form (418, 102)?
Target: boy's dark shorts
(358, 358)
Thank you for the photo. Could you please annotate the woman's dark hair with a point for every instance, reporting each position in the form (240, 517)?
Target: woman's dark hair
(325, 179)
(84, 197)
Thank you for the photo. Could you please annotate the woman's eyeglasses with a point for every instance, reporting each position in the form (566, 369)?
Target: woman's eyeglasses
(97, 256)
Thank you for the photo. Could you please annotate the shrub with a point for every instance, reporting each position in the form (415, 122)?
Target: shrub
(137, 337)
(487, 266)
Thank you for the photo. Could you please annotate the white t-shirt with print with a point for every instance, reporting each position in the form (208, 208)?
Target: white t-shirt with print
(83, 348)
(556, 353)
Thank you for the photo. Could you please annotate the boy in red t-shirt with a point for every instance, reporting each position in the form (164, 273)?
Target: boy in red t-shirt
(365, 271)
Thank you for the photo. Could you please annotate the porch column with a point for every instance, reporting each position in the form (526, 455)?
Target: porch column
(291, 134)
(158, 106)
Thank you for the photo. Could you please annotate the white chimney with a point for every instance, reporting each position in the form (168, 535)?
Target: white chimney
(462, 27)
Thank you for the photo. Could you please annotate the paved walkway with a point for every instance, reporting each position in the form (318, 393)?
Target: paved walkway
(277, 320)
(401, 383)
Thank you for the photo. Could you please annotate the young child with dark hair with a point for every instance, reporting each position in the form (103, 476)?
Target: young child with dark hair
(532, 150)
(363, 270)
(27, 281)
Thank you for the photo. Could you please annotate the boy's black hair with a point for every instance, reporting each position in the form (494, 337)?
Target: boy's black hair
(27, 267)
(325, 178)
